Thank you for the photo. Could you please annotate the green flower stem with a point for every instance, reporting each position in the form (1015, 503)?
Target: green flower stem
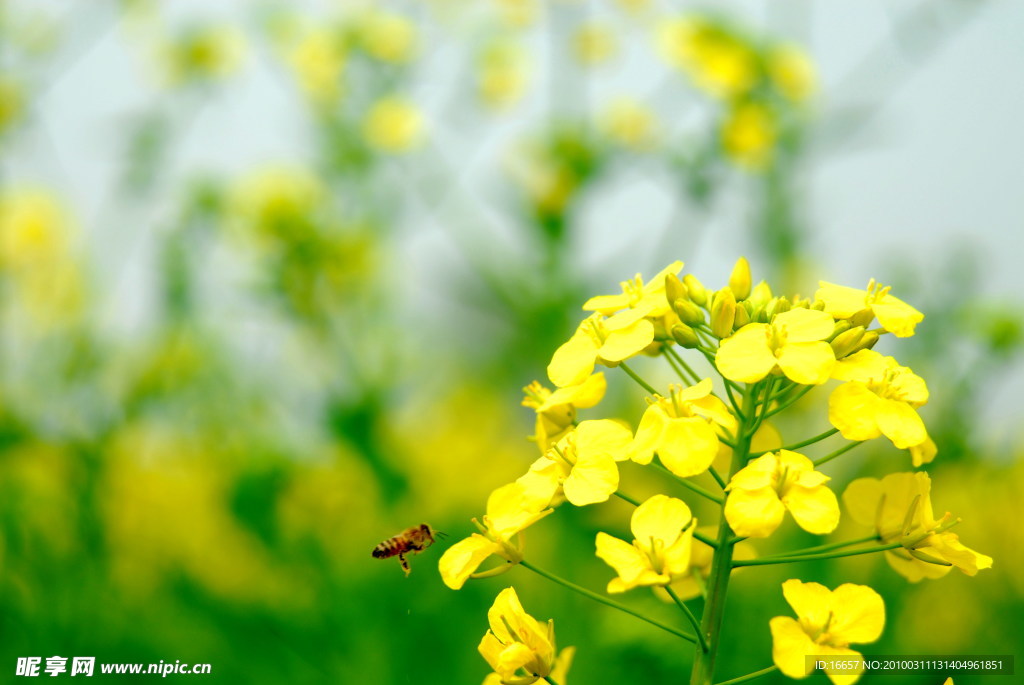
(750, 676)
(681, 368)
(824, 548)
(814, 557)
(803, 443)
(721, 564)
(689, 616)
(718, 478)
(632, 500)
(768, 384)
(838, 453)
(789, 403)
(607, 602)
(641, 381)
(735, 405)
(548, 679)
(687, 484)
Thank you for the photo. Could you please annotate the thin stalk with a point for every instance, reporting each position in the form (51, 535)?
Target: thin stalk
(607, 602)
(803, 443)
(838, 453)
(789, 403)
(705, 539)
(689, 616)
(641, 381)
(687, 484)
(548, 679)
(682, 369)
(824, 548)
(750, 676)
(768, 384)
(814, 557)
(635, 502)
(714, 474)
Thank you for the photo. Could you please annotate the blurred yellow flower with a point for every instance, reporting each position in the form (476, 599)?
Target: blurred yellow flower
(519, 648)
(556, 411)
(895, 315)
(318, 59)
(683, 429)
(594, 43)
(12, 102)
(630, 124)
(502, 73)
(388, 36)
(880, 397)
(899, 508)
(510, 510)
(518, 13)
(827, 622)
(761, 492)
(792, 343)
(393, 125)
(717, 61)
(203, 53)
(581, 465)
(660, 554)
(596, 342)
(748, 135)
(792, 72)
(276, 202)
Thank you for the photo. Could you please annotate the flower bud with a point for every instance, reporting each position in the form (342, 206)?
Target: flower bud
(723, 313)
(674, 288)
(840, 327)
(818, 305)
(761, 295)
(779, 305)
(688, 312)
(742, 316)
(862, 318)
(698, 294)
(685, 336)
(867, 341)
(847, 341)
(739, 279)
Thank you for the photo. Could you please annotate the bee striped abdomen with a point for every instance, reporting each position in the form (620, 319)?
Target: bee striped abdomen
(410, 541)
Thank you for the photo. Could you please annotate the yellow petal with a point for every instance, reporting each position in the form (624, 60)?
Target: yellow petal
(593, 479)
(574, 360)
(810, 601)
(790, 646)
(841, 301)
(815, 509)
(606, 304)
(462, 559)
(807, 363)
(852, 409)
(915, 570)
(490, 649)
(586, 394)
(677, 556)
(632, 566)
(745, 356)
(513, 657)
(560, 670)
(766, 439)
(756, 474)
(896, 316)
(660, 518)
(687, 446)
(862, 498)
(603, 436)
(754, 513)
(648, 434)
(858, 615)
(627, 342)
(805, 325)
(900, 423)
(948, 546)
(863, 366)
(837, 654)
(511, 508)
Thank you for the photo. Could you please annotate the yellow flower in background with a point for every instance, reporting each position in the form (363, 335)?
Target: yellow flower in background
(204, 54)
(634, 6)
(595, 342)
(318, 60)
(388, 36)
(792, 72)
(518, 13)
(510, 510)
(749, 133)
(393, 125)
(594, 43)
(827, 623)
(502, 73)
(556, 411)
(637, 300)
(682, 429)
(792, 343)
(716, 60)
(880, 397)
(519, 648)
(899, 508)
(660, 554)
(581, 465)
(761, 492)
(630, 124)
(277, 203)
(895, 315)
(12, 102)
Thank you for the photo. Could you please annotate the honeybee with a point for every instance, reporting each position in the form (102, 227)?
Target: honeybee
(410, 541)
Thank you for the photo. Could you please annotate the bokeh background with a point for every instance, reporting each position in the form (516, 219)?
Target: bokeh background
(273, 275)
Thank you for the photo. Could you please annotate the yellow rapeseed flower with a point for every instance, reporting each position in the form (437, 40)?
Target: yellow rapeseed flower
(204, 53)
(502, 73)
(556, 411)
(660, 554)
(717, 61)
(792, 343)
(594, 43)
(749, 133)
(510, 510)
(581, 465)
(895, 315)
(387, 36)
(880, 397)
(899, 508)
(761, 492)
(630, 124)
(827, 622)
(519, 648)
(792, 72)
(683, 429)
(318, 60)
(393, 125)
(596, 342)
